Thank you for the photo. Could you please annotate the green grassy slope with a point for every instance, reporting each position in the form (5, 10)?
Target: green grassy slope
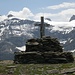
(9, 68)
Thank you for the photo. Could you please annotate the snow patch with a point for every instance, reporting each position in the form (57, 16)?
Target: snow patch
(72, 50)
(23, 48)
(63, 42)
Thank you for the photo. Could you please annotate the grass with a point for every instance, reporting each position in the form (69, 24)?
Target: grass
(33, 69)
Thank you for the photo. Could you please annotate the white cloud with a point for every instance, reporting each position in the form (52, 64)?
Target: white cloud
(66, 14)
(63, 12)
(3, 17)
(58, 15)
(23, 14)
(47, 15)
(63, 15)
(63, 5)
(38, 15)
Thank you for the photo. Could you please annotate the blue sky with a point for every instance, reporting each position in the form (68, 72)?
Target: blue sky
(35, 8)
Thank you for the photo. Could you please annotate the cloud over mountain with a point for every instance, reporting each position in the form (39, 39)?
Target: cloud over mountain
(60, 12)
(25, 13)
(3, 17)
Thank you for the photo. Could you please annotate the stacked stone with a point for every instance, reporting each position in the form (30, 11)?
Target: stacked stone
(51, 44)
(43, 45)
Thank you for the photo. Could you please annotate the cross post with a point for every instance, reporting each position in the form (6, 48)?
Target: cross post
(42, 27)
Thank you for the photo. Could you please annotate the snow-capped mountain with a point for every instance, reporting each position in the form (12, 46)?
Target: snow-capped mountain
(14, 32)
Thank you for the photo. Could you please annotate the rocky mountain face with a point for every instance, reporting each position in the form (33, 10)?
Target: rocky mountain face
(72, 18)
(14, 32)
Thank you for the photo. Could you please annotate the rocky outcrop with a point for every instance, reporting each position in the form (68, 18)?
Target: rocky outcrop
(72, 18)
(48, 19)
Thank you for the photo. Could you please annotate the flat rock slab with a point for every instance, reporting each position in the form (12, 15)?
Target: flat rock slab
(68, 71)
(54, 71)
(11, 67)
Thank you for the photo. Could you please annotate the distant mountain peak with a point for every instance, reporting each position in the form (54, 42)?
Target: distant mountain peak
(48, 19)
(10, 15)
(72, 18)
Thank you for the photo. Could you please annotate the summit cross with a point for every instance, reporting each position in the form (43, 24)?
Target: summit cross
(42, 27)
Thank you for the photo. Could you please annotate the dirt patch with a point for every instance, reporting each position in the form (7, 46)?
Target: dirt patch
(6, 62)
